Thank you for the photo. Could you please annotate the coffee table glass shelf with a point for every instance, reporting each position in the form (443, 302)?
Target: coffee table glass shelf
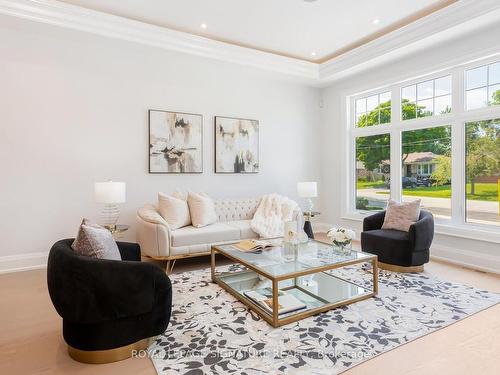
(301, 271)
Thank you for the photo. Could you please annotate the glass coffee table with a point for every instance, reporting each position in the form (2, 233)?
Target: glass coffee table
(301, 272)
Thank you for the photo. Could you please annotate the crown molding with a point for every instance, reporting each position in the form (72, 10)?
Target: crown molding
(78, 18)
(449, 22)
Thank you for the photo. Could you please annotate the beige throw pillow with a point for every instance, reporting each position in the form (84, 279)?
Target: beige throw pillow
(401, 216)
(96, 242)
(202, 209)
(174, 210)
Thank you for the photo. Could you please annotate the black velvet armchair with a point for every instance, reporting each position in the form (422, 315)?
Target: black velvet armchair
(109, 307)
(397, 250)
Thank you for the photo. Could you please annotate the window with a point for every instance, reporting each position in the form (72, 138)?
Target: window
(428, 98)
(421, 169)
(409, 160)
(426, 168)
(482, 87)
(373, 110)
(372, 172)
(483, 171)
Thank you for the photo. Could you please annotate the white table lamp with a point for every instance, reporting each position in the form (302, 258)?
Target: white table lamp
(110, 193)
(308, 190)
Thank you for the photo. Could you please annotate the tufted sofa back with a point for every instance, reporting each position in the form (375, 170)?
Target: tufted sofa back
(236, 209)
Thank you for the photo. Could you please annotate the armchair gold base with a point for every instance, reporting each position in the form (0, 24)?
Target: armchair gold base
(110, 355)
(402, 269)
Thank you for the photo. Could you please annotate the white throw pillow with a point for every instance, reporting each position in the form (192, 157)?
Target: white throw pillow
(174, 210)
(401, 216)
(202, 209)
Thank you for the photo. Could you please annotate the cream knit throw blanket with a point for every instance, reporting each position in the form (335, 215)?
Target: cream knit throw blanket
(273, 210)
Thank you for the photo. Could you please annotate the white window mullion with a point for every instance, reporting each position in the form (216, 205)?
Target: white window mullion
(458, 149)
(458, 172)
(396, 165)
(396, 144)
(396, 104)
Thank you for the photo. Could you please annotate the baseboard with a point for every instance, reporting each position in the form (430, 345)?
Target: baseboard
(466, 258)
(23, 262)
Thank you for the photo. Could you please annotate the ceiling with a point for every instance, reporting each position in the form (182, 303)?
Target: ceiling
(313, 31)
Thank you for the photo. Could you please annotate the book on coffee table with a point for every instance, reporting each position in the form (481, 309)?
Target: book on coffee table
(286, 302)
(253, 245)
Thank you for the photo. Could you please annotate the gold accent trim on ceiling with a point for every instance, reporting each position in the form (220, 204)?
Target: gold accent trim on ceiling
(388, 29)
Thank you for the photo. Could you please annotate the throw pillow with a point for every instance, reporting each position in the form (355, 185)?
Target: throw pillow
(174, 210)
(202, 209)
(401, 216)
(95, 241)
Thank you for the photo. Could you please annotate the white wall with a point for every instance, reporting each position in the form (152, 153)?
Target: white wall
(485, 255)
(73, 110)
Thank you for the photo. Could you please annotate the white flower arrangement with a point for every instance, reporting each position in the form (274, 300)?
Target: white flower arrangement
(341, 236)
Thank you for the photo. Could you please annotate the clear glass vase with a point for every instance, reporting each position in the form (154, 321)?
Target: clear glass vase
(342, 248)
(289, 251)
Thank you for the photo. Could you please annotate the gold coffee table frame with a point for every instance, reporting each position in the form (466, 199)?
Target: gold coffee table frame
(274, 318)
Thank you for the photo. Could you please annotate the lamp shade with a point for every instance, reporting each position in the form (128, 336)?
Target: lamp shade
(109, 192)
(307, 189)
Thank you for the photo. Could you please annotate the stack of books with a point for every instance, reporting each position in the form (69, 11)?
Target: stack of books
(264, 298)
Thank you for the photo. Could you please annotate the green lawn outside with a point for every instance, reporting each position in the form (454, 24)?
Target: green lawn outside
(484, 192)
(370, 185)
(433, 191)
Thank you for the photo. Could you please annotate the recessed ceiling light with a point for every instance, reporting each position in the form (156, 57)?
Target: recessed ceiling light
(313, 53)
(203, 25)
(376, 21)
(309, 1)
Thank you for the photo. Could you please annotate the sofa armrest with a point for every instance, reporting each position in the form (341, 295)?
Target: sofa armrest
(373, 222)
(129, 251)
(153, 232)
(422, 232)
(149, 213)
(88, 290)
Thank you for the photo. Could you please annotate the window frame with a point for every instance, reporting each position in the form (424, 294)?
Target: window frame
(354, 113)
(476, 65)
(355, 177)
(433, 97)
(471, 223)
(456, 119)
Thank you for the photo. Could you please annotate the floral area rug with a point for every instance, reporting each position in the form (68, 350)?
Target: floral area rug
(210, 332)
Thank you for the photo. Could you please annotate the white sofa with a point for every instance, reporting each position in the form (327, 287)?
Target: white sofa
(158, 241)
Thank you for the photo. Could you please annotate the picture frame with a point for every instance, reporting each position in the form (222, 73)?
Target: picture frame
(175, 142)
(237, 145)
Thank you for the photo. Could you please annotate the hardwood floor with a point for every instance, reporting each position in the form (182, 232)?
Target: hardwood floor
(31, 340)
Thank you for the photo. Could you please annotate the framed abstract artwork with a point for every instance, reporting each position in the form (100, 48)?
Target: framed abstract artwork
(175, 142)
(236, 145)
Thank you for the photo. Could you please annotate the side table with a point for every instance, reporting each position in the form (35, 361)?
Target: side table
(116, 230)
